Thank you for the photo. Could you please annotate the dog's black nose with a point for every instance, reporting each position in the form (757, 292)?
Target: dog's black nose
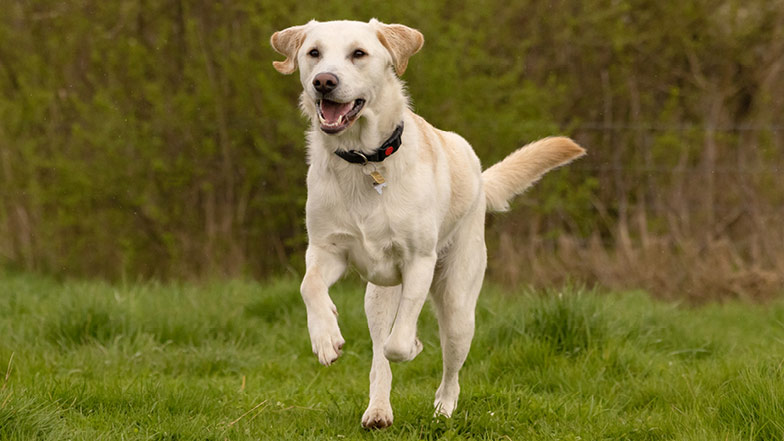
(325, 82)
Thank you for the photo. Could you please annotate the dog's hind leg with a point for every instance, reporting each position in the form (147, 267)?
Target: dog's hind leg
(380, 306)
(455, 289)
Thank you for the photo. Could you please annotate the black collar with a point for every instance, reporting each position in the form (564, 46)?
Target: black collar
(387, 148)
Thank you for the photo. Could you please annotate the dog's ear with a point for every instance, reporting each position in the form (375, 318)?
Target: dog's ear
(287, 42)
(401, 41)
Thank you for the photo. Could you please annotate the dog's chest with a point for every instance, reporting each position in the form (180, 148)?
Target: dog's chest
(377, 247)
(378, 233)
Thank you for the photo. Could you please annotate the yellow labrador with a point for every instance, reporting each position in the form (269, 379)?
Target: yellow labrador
(401, 200)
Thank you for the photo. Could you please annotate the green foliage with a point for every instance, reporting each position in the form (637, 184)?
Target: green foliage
(155, 139)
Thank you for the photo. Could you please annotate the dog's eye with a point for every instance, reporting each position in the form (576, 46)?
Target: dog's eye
(359, 53)
(314, 53)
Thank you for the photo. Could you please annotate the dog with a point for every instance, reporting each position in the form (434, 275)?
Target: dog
(402, 201)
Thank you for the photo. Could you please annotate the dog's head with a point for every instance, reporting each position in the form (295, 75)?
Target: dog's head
(344, 65)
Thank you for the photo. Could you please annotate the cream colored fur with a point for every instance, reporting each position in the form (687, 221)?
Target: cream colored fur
(424, 233)
(521, 169)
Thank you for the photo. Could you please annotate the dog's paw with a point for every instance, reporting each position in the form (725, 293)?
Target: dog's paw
(396, 352)
(325, 338)
(446, 401)
(377, 416)
(444, 408)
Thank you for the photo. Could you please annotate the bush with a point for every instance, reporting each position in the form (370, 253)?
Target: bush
(155, 139)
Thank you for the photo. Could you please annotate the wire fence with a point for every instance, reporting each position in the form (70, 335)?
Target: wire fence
(768, 166)
(654, 127)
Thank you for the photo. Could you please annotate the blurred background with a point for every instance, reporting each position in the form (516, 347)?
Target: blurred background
(153, 139)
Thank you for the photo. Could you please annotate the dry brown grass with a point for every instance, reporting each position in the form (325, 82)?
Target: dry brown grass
(668, 268)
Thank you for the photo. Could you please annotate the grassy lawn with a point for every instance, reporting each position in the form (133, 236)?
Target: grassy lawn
(231, 360)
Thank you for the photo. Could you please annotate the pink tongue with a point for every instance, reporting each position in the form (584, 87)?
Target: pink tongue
(332, 111)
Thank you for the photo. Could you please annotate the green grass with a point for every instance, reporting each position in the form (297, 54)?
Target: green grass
(231, 360)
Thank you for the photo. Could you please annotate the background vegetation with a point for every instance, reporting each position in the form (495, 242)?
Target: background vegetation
(154, 138)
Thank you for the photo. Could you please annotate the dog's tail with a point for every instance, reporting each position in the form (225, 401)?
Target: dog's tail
(521, 169)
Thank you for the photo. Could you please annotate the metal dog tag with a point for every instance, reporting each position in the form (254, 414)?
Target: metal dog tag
(377, 178)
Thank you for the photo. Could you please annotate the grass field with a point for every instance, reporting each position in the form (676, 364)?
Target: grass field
(231, 360)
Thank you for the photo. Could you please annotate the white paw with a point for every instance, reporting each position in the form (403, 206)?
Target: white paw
(377, 416)
(446, 402)
(396, 352)
(325, 337)
(444, 408)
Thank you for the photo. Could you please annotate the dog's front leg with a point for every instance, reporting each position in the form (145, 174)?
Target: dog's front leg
(322, 268)
(403, 344)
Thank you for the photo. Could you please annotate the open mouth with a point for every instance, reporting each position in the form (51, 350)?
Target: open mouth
(336, 117)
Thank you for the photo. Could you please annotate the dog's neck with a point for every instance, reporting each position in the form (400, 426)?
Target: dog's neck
(376, 123)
